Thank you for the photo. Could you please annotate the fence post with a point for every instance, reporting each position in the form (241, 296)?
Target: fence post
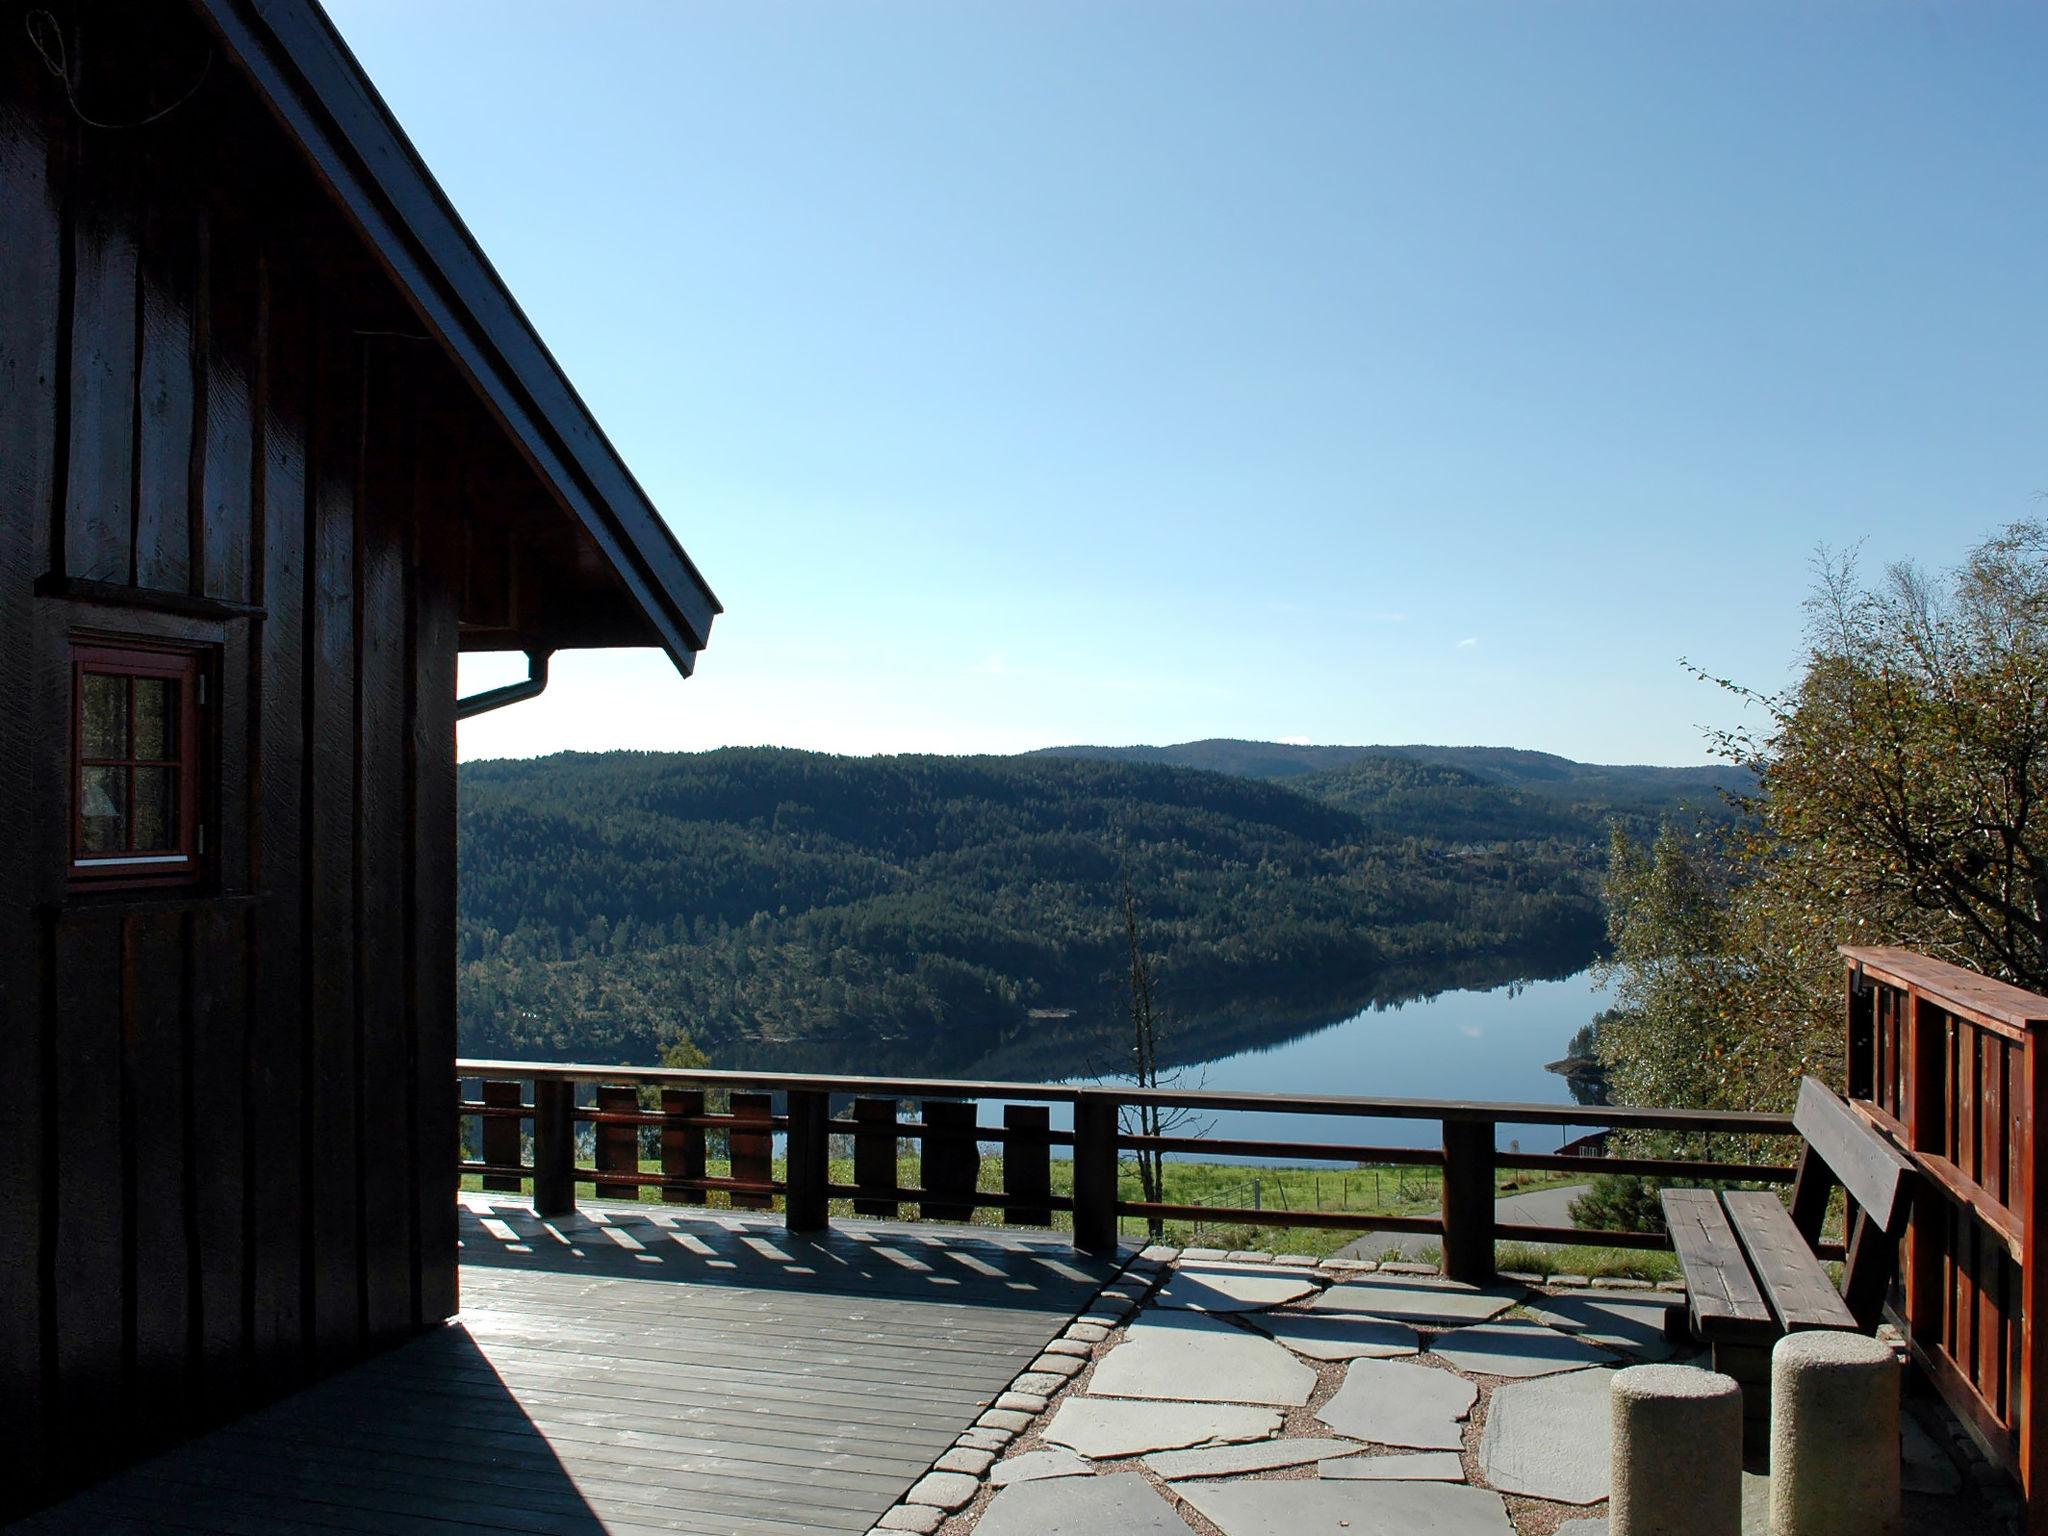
(554, 1148)
(2032, 1075)
(1468, 1201)
(750, 1146)
(618, 1146)
(875, 1160)
(804, 1204)
(1027, 1165)
(682, 1146)
(1095, 1172)
(501, 1133)
(949, 1165)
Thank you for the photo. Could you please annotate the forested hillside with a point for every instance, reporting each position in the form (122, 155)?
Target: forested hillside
(1591, 794)
(917, 910)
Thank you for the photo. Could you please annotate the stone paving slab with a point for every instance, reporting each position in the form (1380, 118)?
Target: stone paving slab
(1340, 1336)
(1550, 1438)
(918, 1519)
(1632, 1323)
(1238, 1460)
(1108, 1429)
(1188, 1357)
(1033, 1465)
(1423, 1299)
(1391, 1402)
(1121, 1504)
(1924, 1466)
(1516, 1346)
(1296, 1508)
(1233, 1287)
(1421, 1466)
(944, 1490)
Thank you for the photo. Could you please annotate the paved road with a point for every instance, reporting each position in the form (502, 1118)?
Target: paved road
(1536, 1208)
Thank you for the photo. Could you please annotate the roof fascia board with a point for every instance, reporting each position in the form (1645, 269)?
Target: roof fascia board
(305, 72)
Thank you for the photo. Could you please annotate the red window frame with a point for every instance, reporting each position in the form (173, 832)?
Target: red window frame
(180, 860)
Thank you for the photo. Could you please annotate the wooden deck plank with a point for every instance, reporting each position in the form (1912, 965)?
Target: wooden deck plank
(644, 1371)
(489, 1484)
(801, 1409)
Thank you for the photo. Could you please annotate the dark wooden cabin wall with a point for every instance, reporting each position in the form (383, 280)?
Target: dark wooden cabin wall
(226, 1123)
(30, 277)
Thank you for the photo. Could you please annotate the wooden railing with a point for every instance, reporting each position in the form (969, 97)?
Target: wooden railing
(1952, 1066)
(555, 1100)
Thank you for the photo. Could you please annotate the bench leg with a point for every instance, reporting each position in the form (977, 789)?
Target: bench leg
(1678, 1329)
(1750, 1366)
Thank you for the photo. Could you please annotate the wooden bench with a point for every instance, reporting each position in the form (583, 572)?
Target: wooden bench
(1751, 1273)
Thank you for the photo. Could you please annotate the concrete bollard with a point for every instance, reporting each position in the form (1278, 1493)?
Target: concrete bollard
(1676, 1465)
(1834, 1436)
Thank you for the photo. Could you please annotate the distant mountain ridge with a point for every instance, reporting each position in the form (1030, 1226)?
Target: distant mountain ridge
(1632, 790)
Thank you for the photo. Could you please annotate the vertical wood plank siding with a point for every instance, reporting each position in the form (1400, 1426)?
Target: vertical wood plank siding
(226, 1135)
(32, 257)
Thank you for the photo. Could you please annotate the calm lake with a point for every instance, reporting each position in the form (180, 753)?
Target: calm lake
(1480, 1042)
(1477, 1044)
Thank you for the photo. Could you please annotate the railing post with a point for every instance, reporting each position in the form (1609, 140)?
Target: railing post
(1095, 1172)
(682, 1146)
(501, 1133)
(875, 1158)
(618, 1146)
(1924, 1034)
(554, 1148)
(949, 1163)
(804, 1204)
(1027, 1165)
(750, 1146)
(1468, 1201)
(2032, 1080)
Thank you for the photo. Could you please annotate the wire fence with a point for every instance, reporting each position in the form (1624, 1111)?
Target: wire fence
(1369, 1191)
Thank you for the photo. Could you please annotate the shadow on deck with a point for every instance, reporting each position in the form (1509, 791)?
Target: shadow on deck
(637, 1369)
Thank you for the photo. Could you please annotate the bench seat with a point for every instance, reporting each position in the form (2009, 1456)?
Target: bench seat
(1723, 1299)
(1751, 1273)
(1797, 1285)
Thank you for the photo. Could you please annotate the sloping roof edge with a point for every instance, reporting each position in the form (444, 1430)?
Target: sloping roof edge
(291, 52)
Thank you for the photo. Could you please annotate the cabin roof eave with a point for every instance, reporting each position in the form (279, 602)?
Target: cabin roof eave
(306, 74)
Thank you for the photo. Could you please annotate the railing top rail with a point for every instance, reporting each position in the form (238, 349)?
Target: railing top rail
(1746, 1122)
(1743, 1122)
(1961, 991)
(778, 1082)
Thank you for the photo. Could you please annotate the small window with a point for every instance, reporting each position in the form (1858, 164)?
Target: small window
(136, 763)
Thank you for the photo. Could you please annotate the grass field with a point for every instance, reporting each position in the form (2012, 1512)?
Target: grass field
(1366, 1191)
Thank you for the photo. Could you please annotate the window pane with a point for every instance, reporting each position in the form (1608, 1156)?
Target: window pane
(156, 809)
(105, 722)
(103, 818)
(156, 718)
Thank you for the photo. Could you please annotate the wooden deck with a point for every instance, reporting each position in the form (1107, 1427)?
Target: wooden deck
(639, 1369)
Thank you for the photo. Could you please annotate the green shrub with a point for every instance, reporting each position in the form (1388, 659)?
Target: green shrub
(1620, 1202)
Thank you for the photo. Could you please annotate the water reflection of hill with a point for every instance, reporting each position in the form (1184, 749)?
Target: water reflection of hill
(1091, 1044)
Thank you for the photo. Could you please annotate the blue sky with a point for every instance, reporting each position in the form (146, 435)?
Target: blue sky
(1042, 372)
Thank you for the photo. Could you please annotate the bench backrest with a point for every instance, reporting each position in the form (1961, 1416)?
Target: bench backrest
(1879, 1180)
(1876, 1174)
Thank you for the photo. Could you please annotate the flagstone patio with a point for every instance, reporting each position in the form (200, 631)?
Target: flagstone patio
(1244, 1395)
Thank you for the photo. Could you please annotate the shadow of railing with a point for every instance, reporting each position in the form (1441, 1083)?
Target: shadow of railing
(947, 1266)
